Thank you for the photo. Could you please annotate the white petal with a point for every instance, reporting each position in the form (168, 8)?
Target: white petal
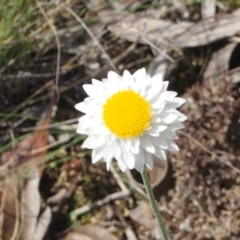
(97, 154)
(111, 89)
(83, 124)
(176, 126)
(98, 83)
(109, 151)
(169, 134)
(139, 166)
(155, 119)
(147, 144)
(129, 159)
(81, 129)
(158, 108)
(152, 132)
(169, 118)
(82, 107)
(172, 146)
(156, 79)
(158, 127)
(182, 117)
(112, 137)
(113, 76)
(159, 142)
(106, 81)
(160, 154)
(165, 96)
(165, 86)
(97, 129)
(149, 160)
(117, 153)
(135, 145)
(170, 95)
(99, 89)
(121, 163)
(89, 89)
(94, 141)
(139, 73)
(109, 161)
(175, 103)
(156, 85)
(128, 79)
(140, 159)
(153, 91)
(126, 144)
(122, 166)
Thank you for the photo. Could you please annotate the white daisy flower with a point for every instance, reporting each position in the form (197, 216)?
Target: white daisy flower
(130, 118)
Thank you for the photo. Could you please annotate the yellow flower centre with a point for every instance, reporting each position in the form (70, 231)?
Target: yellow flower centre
(127, 114)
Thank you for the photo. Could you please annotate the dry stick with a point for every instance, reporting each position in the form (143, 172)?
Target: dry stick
(107, 199)
(93, 38)
(133, 184)
(71, 127)
(41, 149)
(25, 75)
(158, 49)
(53, 125)
(209, 151)
(228, 154)
(58, 45)
(123, 186)
(118, 179)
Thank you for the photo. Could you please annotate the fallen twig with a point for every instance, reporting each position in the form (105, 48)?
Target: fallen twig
(99, 203)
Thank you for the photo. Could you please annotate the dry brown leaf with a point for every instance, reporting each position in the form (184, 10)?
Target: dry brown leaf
(142, 214)
(43, 224)
(90, 232)
(28, 154)
(10, 213)
(30, 206)
(32, 226)
(143, 30)
(181, 34)
(234, 77)
(158, 65)
(219, 63)
(76, 236)
(208, 31)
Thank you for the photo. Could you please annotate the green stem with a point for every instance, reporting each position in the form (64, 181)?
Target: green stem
(154, 206)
